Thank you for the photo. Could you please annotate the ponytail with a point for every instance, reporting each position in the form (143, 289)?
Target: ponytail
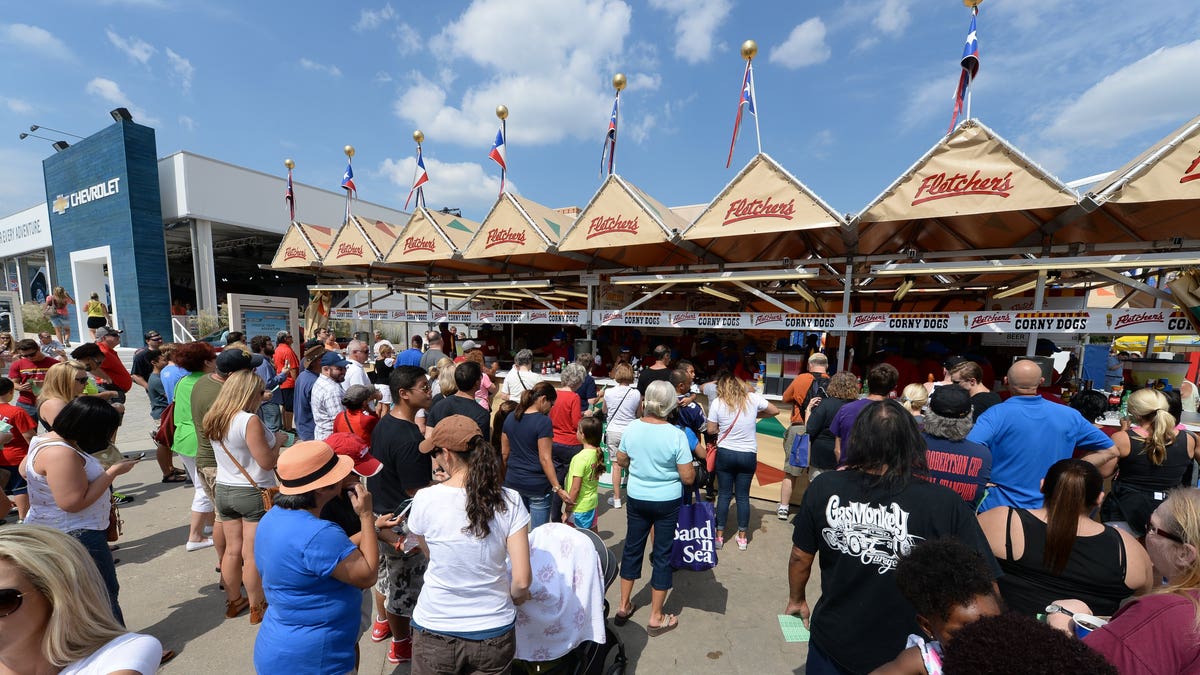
(532, 394)
(1150, 408)
(485, 496)
(1071, 488)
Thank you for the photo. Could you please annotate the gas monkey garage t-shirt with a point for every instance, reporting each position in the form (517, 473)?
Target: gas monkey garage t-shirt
(859, 529)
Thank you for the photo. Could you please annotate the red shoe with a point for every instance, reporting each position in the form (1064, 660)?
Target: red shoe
(400, 651)
(380, 630)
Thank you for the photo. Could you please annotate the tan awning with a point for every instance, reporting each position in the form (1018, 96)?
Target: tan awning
(431, 236)
(302, 246)
(351, 246)
(382, 234)
(1168, 170)
(516, 226)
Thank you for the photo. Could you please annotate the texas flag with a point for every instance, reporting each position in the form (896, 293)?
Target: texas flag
(970, 68)
(610, 138)
(348, 181)
(290, 197)
(499, 155)
(420, 177)
(745, 102)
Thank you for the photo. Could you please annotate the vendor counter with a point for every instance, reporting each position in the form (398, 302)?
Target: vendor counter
(771, 457)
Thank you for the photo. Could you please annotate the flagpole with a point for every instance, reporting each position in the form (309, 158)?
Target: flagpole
(349, 150)
(502, 113)
(974, 5)
(618, 83)
(291, 196)
(749, 51)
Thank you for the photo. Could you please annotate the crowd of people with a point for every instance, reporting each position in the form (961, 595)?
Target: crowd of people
(351, 487)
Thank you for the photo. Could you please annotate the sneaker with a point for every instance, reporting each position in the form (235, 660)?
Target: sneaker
(197, 545)
(720, 542)
(782, 512)
(615, 503)
(119, 498)
(380, 630)
(741, 542)
(400, 651)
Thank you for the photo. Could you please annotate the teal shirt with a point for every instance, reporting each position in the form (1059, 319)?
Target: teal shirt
(654, 452)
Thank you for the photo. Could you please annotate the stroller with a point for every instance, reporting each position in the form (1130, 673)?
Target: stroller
(588, 658)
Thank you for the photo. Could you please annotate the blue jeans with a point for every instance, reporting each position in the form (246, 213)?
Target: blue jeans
(272, 416)
(96, 543)
(643, 515)
(735, 470)
(539, 507)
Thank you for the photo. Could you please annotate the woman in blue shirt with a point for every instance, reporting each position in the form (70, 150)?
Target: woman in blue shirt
(660, 464)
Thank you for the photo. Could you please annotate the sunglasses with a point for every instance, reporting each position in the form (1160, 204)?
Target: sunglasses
(426, 388)
(10, 601)
(82, 380)
(1152, 529)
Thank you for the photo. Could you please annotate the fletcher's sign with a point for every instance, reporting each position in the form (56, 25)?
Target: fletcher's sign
(602, 225)
(504, 235)
(744, 209)
(941, 186)
(419, 244)
(108, 188)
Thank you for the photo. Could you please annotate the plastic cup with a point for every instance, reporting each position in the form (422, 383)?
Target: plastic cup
(1085, 623)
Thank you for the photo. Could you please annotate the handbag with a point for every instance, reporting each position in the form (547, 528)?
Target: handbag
(710, 459)
(114, 521)
(165, 435)
(798, 451)
(694, 547)
(268, 494)
(49, 310)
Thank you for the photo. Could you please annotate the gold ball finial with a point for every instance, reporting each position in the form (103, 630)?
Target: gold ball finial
(749, 49)
(502, 111)
(419, 136)
(619, 81)
(972, 3)
(289, 163)
(349, 150)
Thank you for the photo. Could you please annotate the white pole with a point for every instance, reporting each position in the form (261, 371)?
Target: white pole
(970, 81)
(754, 97)
(612, 150)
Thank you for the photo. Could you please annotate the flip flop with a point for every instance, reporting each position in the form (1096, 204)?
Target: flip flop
(175, 478)
(620, 619)
(655, 631)
(167, 655)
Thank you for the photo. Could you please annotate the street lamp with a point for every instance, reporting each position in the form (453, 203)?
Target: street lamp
(35, 127)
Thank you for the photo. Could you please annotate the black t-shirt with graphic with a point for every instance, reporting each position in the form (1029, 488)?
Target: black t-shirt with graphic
(859, 529)
(396, 444)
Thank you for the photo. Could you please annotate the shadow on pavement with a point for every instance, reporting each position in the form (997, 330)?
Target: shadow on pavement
(148, 548)
(190, 620)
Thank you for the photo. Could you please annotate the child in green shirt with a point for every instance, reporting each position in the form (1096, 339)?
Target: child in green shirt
(584, 474)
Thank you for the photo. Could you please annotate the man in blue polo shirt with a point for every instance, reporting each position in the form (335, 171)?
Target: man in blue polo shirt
(1027, 434)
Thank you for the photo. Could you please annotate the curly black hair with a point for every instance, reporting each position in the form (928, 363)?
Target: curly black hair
(942, 574)
(1013, 643)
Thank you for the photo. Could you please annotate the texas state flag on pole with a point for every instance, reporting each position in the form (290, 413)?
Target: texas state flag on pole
(290, 197)
(610, 138)
(420, 178)
(745, 102)
(499, 155)
(970, 68)
(348, 181)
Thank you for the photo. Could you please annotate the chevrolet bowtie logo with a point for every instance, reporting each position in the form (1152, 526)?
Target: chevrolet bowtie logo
(61, 204)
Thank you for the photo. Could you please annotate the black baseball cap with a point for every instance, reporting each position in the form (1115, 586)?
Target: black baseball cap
(151, 334)
(232, 360)
(951, 401)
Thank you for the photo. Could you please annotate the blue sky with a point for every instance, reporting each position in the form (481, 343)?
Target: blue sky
(850, 93)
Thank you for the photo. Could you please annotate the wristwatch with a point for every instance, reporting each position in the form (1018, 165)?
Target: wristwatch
(1058, 609)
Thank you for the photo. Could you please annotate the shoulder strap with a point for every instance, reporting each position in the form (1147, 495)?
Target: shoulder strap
(619, 403)
(1008, 534)
(239, 465)
(730, 427)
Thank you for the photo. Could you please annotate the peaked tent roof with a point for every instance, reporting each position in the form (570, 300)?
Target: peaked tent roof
(975, 187)
(303, 245)
(752, 215)
(627, 227)
(351, 246)
(382, 235)
(523, 233)
(430, 236)
(1167, 170)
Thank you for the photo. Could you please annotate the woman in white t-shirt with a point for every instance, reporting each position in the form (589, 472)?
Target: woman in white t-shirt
(620, 405)
(520, 379)
(733, 416)
(246, 453)
(468, 525)
(54, 611)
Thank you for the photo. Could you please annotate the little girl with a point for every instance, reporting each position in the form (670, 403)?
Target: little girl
(583, 476)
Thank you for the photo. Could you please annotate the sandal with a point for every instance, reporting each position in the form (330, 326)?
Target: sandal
(620, 619)
(175, 478)
(167, 655)
(655, 631)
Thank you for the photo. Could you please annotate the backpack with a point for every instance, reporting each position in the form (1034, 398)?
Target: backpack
(816, 389)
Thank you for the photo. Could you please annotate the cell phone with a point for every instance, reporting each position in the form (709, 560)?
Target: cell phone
(402, 509)
(135, 457)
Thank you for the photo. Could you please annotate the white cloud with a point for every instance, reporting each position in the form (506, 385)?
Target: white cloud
(111, 93)
(821, 143)
(37, 39)
(928, 101)
(465, 185)
(696, 24)
(187, 123)
(332, 71)
(408, 40)
(640, 129)
(805, 46)
(16, 105)
(134, 47)
(556, 85)
(370, 19)
(382, 77)
(182, 70)
(1156, 90)
(893, 17)
(21, 183)
(644, 82)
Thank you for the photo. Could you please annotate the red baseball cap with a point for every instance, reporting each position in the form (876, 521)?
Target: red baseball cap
(345, 443)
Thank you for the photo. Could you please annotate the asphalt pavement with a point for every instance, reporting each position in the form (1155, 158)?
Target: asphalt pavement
(727, 616)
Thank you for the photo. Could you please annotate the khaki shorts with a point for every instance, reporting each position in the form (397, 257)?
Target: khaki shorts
(400, 579)
(437, 653)
(239, 502)
(208, 483)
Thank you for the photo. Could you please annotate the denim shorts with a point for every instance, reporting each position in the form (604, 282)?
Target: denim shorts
(15, 485)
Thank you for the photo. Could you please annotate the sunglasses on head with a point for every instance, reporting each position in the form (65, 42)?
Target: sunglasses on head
(10, 601)
(1151, 528)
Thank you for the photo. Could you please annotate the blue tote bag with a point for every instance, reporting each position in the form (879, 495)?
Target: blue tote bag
(695, 536)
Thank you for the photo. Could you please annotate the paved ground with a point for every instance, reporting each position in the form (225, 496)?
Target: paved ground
(727, 616)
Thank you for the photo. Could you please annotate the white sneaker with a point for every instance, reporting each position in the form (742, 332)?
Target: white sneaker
(782, 512)
(615, 503)
(197, 545)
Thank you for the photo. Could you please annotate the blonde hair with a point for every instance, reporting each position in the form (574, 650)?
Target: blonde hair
(915, 397)
(622, 373)
(242, 392)
(60, 293)
(6, 340)
(732, 392)
(60, 381)
(81, 619)
(445, 377)
(1148, 407)
(1181, 516)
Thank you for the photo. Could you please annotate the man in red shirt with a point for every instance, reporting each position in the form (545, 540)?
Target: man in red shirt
(21, 428)
(28, 372)
(119, 379)
(287, 362)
